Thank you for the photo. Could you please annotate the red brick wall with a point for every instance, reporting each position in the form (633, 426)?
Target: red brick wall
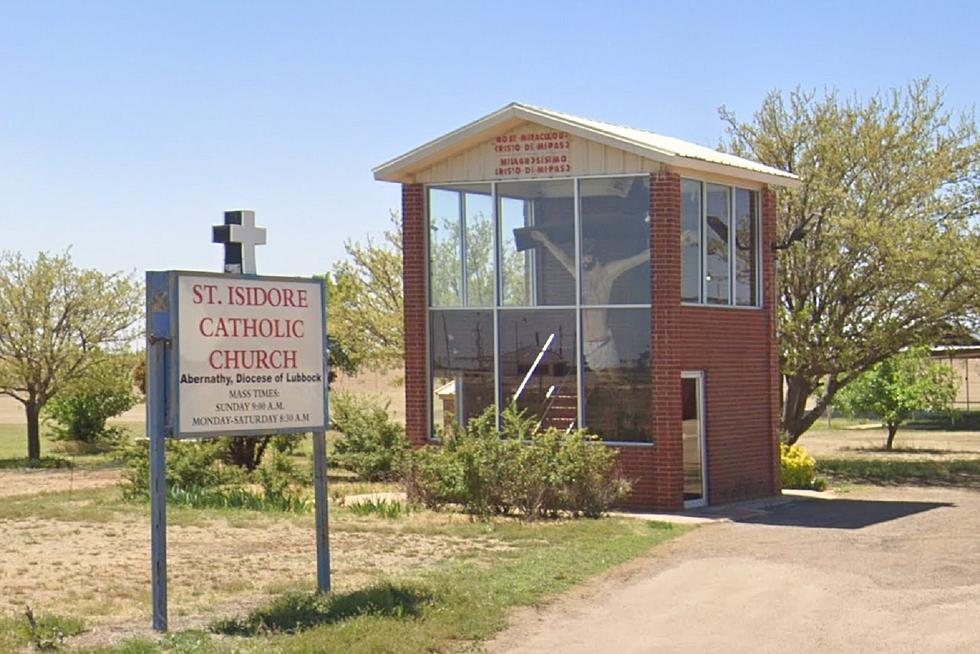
(770, 298)
(665, 284)
(416, 323)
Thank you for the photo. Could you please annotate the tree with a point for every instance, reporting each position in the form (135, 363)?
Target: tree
(364, 294)
(896, 387)
(876, 251)
(104, 390)
(56, 321)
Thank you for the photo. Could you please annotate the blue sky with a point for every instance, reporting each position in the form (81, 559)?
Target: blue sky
(127, 128)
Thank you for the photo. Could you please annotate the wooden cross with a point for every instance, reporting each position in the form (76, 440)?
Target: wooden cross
(239, 236)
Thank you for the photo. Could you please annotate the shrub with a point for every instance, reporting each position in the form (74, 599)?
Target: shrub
(522, 469)
(80, 411)
(798, 468)
(197, 476)
(191, 465)
(373, 446)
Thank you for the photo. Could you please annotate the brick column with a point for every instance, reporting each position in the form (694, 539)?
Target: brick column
(665, 285)
(769, 299)
(414, 277)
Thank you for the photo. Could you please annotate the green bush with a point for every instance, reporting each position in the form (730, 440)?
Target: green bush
(373, 446)
(80, 411)
(197, 476)
(191, 465)
(798, 468)
(521, 470)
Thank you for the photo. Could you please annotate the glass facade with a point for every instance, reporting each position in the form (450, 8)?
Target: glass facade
(539, 297)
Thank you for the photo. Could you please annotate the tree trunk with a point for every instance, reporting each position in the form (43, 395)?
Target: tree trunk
(794, 408)
(892, 429)
(33, 431)
(796, 417)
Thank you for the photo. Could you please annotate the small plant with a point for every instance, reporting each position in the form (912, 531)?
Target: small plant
(383, 508)
(374, 446)
(48, 633)
(798, 468)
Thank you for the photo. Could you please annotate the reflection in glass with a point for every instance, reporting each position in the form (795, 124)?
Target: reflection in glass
(617, 376)
(745, 251)
(717, 229)
(690, 241)
(691, 430)
(615, 216)
(445, 249)
(479, 249)
(456, 279)
(537, 365)
(534, 275)
(461, 348)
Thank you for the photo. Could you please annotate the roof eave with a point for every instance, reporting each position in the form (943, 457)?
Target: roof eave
(402, 169)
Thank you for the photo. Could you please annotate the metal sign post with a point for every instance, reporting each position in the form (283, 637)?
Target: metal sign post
(233, 355)
(158, 339)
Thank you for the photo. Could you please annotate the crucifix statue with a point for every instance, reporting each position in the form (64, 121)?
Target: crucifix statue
(240, 236)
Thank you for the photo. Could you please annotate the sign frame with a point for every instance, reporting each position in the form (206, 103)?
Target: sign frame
(173, 278)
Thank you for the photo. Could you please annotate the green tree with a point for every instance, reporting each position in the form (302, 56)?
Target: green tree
(898, 386)
(877, 250)
(364, 295)
(56, 321)
(104, 390)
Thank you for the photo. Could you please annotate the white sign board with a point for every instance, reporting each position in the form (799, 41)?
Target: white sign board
(250, 355)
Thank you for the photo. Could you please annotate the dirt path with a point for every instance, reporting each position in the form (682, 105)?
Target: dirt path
(31, 482)
(894, 570)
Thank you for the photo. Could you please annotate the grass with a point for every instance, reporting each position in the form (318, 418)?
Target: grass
(463, 601)
(892, 472)
(42, 632)
(97, 505)
(54, 454)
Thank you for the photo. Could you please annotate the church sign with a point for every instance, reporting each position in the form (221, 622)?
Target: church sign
(249, 355)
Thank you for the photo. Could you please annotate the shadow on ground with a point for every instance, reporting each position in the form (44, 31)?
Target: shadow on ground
(838, 513)
(298, 612)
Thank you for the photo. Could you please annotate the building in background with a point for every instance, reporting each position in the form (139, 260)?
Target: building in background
(597, 276)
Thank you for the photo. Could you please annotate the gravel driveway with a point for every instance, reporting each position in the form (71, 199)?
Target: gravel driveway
(885, 570)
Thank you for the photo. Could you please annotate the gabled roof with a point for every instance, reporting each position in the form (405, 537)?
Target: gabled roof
(664, 149)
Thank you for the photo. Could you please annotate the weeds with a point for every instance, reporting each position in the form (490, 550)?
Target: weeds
(383, 508)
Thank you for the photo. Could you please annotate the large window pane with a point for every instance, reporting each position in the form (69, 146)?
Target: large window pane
(717, 227)
(480, 272)
(537, 243)
(445, 249)
(462, 381)
(461, 268)
(690, 241)
(537, 364)
(746, 255)
(617, 375)
(615, 215)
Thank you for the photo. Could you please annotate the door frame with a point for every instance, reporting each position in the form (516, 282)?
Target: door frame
(698, 376)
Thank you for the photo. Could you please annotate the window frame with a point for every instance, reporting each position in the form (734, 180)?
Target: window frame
(732, 254)
(497, 307)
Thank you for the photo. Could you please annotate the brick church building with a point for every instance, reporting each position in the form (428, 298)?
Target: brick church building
(598, 276)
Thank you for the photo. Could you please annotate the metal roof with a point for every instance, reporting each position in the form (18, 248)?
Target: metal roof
(665, 149)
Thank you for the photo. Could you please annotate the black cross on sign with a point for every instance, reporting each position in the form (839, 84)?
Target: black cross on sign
(240, 236)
